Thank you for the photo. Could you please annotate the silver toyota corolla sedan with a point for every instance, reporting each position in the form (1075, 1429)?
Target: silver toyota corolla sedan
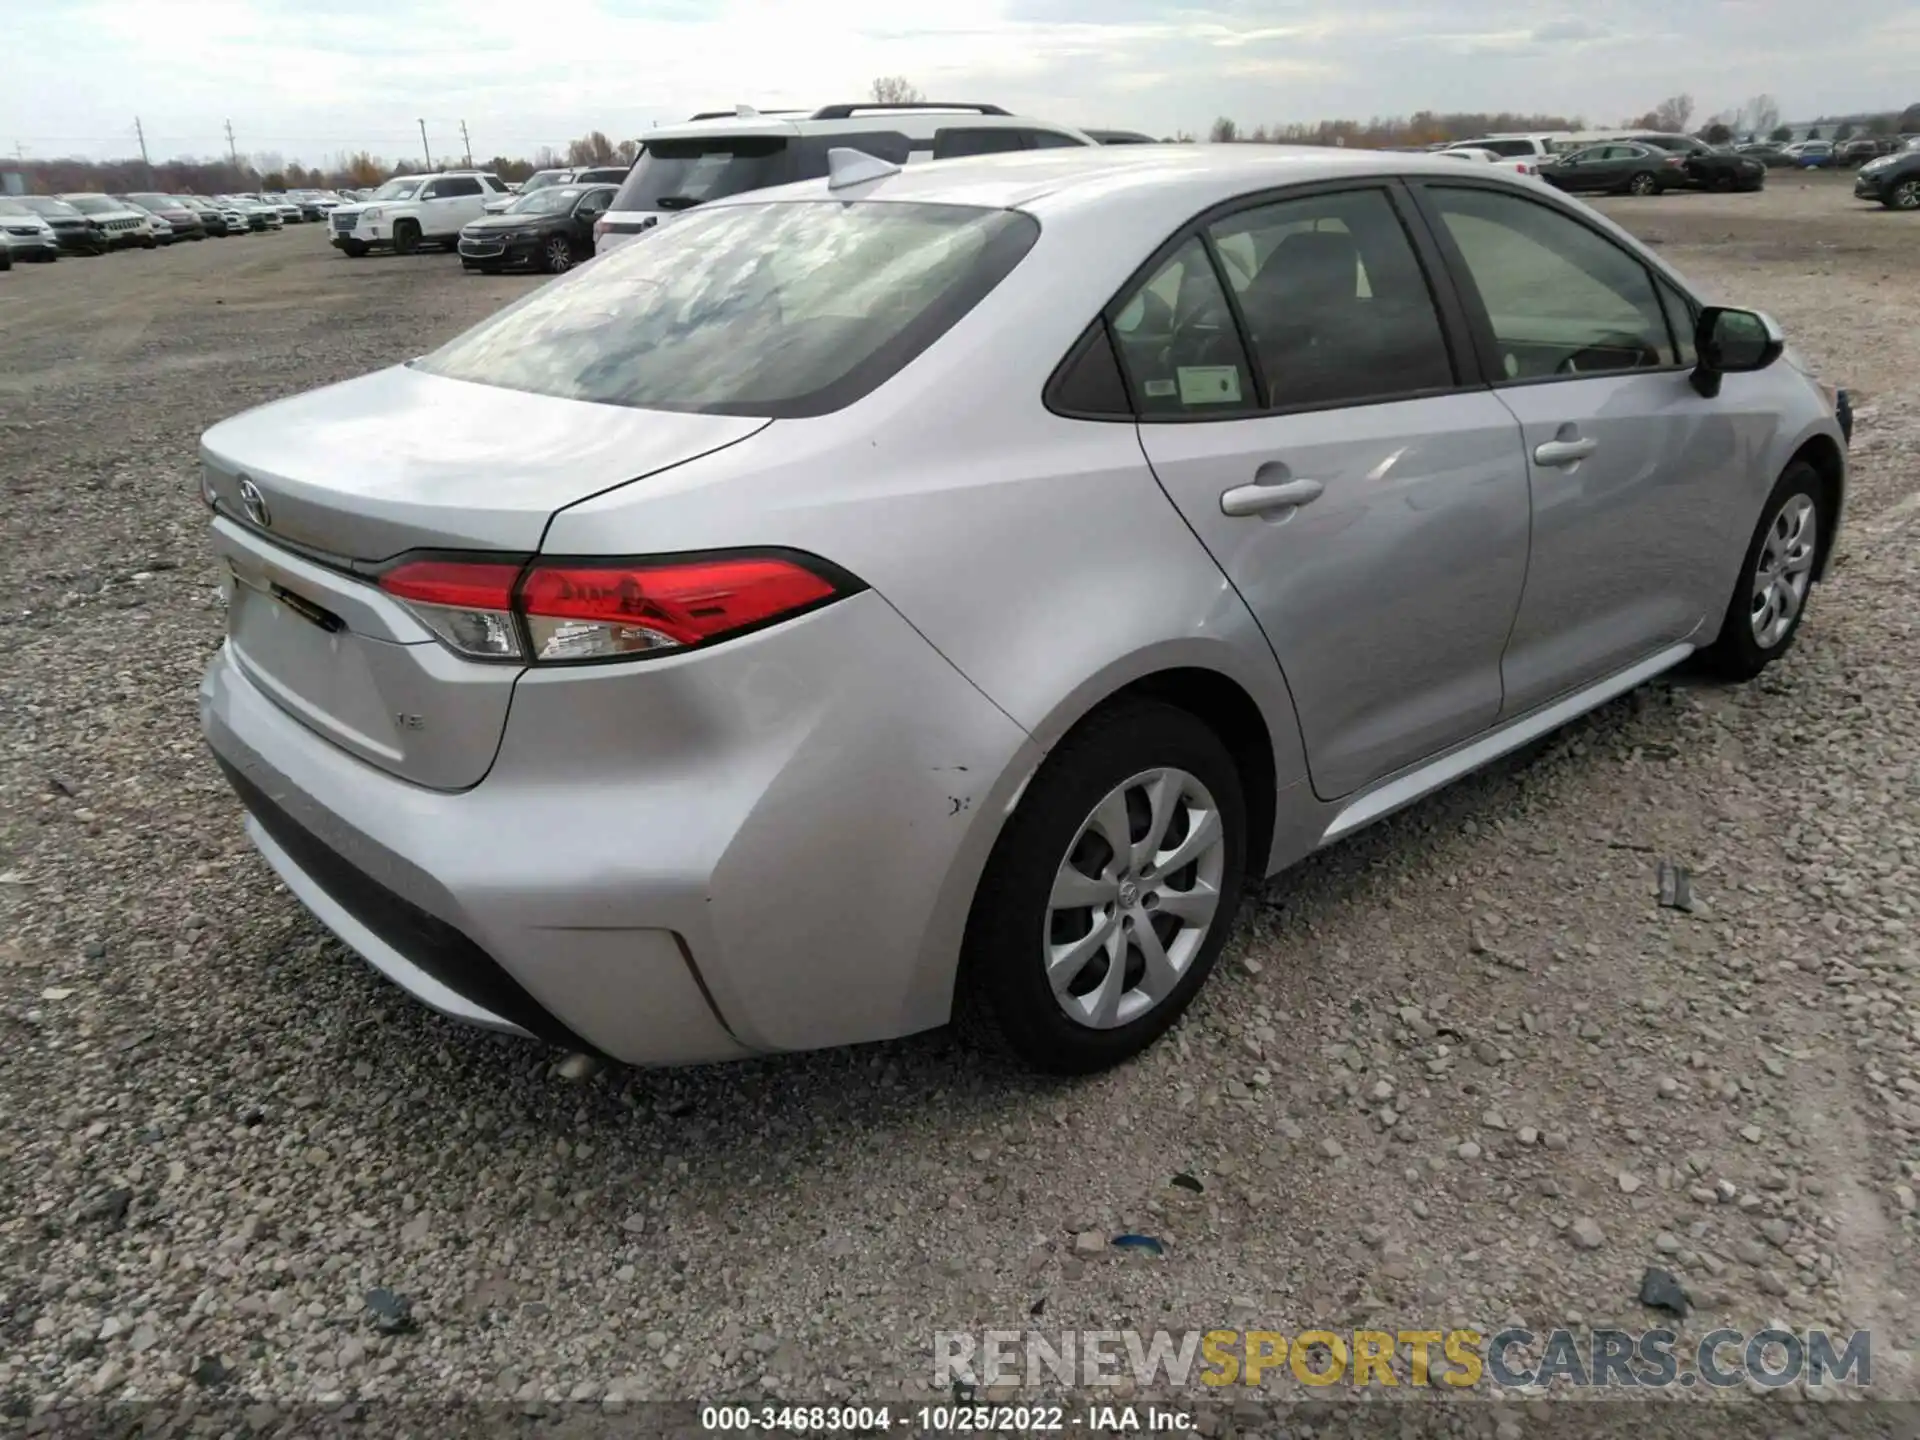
(955, 585)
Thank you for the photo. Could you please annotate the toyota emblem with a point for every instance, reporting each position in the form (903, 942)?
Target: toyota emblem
(254, 503)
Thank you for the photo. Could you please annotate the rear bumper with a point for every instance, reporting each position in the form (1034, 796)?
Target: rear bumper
(768, 846)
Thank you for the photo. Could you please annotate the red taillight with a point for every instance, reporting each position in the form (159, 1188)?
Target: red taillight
(560, 611)
(600, 227)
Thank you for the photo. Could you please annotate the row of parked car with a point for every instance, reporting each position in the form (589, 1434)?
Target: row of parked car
(44, 227)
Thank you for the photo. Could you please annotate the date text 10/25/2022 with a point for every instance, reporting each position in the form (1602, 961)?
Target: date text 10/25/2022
(944, 1419)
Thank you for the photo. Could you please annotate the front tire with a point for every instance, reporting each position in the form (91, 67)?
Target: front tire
(1904, 196)
(556, 256)
(406, 238)
(1111, 892)
(355, 249)
(1776, 577)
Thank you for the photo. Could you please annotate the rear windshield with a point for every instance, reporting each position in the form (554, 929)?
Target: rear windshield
(777, 310)
(674, 174)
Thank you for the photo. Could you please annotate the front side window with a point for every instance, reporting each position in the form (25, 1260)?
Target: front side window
(1561, 300)
(1681, 320)
(1179, 345)
(778, 310)
(1336, 305)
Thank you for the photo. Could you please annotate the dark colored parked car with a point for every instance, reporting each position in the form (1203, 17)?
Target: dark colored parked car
(1621, 167)
(184, 222)
(73, 230)
(1893, 180)
(212, 218)
(550, 229)
(1707, 168)
(1768, 153)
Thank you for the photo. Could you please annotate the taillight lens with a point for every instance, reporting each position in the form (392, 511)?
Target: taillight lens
(561, 612)
(600, 227)
(468, 605)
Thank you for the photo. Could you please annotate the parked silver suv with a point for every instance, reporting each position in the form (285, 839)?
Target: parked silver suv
(958, 583)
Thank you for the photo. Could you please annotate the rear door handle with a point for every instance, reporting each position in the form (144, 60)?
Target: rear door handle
(1556, 453)
(1259, 499)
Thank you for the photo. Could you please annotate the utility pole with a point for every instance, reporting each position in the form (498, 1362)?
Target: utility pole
(137, 130)
(233, 152)
(425, 149)
(468, 143)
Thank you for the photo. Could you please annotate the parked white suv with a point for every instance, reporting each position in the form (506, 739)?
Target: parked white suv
(720, 154)
(414, 210)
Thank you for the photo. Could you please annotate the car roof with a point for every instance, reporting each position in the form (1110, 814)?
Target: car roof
(1072, 176)
(925, 118)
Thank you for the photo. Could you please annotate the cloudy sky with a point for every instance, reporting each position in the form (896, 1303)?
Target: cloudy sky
(308, 79)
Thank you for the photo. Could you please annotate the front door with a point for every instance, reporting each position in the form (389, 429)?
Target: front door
(1634, 476)
(1366, 498)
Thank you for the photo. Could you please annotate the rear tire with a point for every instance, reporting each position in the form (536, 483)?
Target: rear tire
(406, 238)
(1759, 628)
(1134, 764)
(1644, 184)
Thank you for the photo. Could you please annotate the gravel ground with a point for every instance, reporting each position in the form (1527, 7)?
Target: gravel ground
(1460, 1070)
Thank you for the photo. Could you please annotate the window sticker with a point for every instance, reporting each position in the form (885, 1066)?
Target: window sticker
(1161, 389)
(1209, 384)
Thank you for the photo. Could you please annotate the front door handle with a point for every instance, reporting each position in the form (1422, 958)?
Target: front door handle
(1556, 453)
(1260, 499)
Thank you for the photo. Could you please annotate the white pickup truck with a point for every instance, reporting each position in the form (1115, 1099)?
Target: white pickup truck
(414, 210)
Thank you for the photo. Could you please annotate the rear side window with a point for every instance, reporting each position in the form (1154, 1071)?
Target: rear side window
(452, 186)
(957, 140)
(1507, 147)
(1179, 344)
(1335, 302)
(1053, 140)
(810, 152)
(676, 174)
(783, 310)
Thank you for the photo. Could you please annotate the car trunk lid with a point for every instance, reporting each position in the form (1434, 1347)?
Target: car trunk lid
(316, 493)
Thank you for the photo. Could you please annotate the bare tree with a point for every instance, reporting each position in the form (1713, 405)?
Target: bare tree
(897, 90)
(592, 148)
(1674, 112)
(1780, 134)
(626, 151)
(1760, 114)
(1224, 132)
(1719, 133)
(1910, 119)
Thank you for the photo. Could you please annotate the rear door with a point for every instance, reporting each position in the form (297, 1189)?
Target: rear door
(1634, 477)
(1300, 398)
(450, 202)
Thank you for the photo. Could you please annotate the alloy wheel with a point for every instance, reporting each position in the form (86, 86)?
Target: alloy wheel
(1134, 898)
(1783, 570)
(1906, 195)
(1641, 185)
(559, 254)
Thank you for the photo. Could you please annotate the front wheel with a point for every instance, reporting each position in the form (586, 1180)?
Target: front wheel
(1111, 891)
(1904, 196)
(406, 238)
(1776, 578)
(556, 256)
(1645, 183)
(355, 249)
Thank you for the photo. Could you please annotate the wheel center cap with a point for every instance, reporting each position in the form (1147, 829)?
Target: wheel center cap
(1129, 894)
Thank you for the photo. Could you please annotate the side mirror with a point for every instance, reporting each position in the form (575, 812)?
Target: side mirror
(1733, 342)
